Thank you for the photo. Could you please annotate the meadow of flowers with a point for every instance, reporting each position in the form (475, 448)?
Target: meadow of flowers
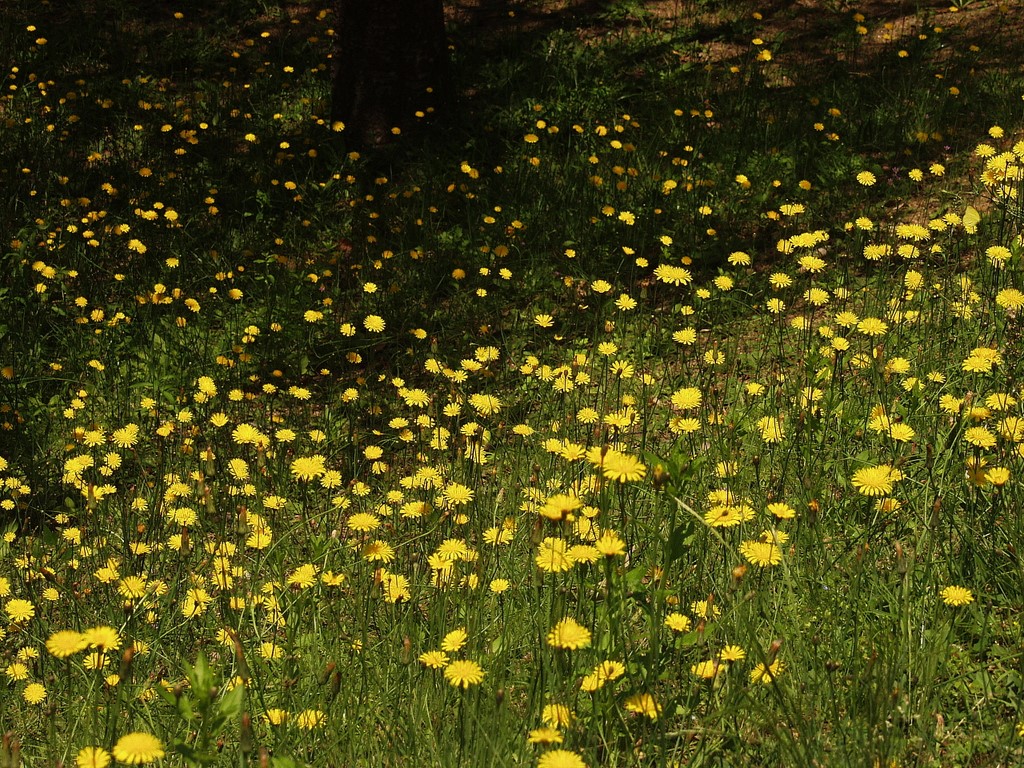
(665, 409)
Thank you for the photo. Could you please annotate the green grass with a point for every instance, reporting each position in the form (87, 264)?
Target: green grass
(631, 341)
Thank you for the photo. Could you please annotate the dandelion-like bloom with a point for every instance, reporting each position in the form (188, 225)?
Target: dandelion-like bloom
(732, 653)
(781, 510)
(998, 476)
(457, 494)
(309, 467)
(463, 673)
(604, 672)
(34, 693)
(127, 436)
(763, 674)
(132, 587)
(771, 429)
(872, 326)
(622, 467)
(724, 515)
(677, 622)
(875, 481)
(20, 610)
(308, 719)
(686, 398)
(569, 634)
(396, 588)
(363, 522)
(138, 748)
(610, 544)
(92, 757)
(866, 178)
(378, 551)
(275, 716)
(552, 556)
(706, 670)
(434, 659)
(561, 758)
(686, 336)
(956, 596)
(105, 638)
(486, 405)
(304, 576)
(66, 643)
(673, 275)
(979, 437)
(544, 735)
(560, 506)
(643, 704)
(556, 715)
(763, 553)
(247, 434)
(455, 640)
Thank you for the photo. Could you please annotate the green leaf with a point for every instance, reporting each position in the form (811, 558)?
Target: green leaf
(200, 676)
(679, 541)
(231, 703)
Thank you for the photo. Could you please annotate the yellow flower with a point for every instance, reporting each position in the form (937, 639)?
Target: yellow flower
(434, 659)
(92, 757)
(374, 323)
(20, 610)
(876, 481)
(275, 716)
(706, 669)
(544, 735)
(138, 748)
(979, 437)
(552, 556)
(643, 704)
(673, 275)
(308, 719)
(308, 467)
(677, 622)
(561, 758)
(396, 588)
(66, 643)
(622, 467)
(763, 553)
(456, 494)
(34, 693)
(956, 596)
(378, 551)
(766, 674)
(569, 634)
(463, 673)
(872, 326)
(455, 640)
(556, 715)
(560, 506)
(610, 544)
(781, 510)
(732, 653)
(771, 429)
(686, 398)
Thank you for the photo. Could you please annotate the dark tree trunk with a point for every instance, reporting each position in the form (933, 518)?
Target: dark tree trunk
(391, 60)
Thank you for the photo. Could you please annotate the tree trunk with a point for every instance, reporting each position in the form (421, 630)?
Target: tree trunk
(391, 60)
